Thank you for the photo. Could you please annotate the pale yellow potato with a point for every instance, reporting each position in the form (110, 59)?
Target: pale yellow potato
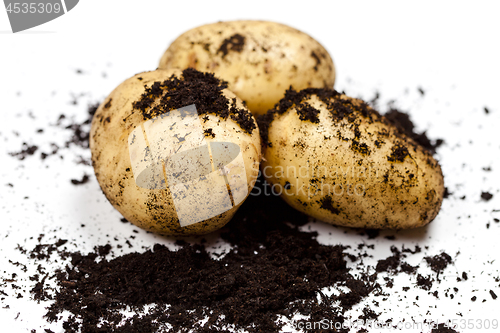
(136, 141)
(260, 60)
(339, 161)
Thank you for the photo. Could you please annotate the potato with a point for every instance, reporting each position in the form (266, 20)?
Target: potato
(259, 59)
(175, 152)
(339, 161)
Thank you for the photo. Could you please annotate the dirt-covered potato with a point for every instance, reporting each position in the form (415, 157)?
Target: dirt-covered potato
(339, 161)
(174, 151)
(259, 59)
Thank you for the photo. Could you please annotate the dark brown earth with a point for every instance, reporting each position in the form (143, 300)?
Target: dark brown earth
(203, 90)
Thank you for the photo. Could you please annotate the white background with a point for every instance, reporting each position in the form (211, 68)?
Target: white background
(449, 49)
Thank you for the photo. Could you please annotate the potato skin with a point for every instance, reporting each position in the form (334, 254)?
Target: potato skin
(154, 210)
(259, 59)
(339, 161)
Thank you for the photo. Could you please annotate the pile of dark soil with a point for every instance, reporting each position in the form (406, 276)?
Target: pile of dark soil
(272, 270)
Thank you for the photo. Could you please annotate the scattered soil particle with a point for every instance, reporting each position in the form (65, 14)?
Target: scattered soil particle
(418, 249)
(317, 59)
(234, 43)
(390, 263)
(424, 282)
(55, 150)
(108, 104)
(79, 137)
(398, 153)
(307, 112)
(361, 148)
(407, 268)
(80, 131)
(326, 203)
(442, 328)
(395, 264)
(439, 262)
(209, 133)
(493, 295)
(486, 196)
(39, 292)
(44, 251)
(84, 180)
(26, 150)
